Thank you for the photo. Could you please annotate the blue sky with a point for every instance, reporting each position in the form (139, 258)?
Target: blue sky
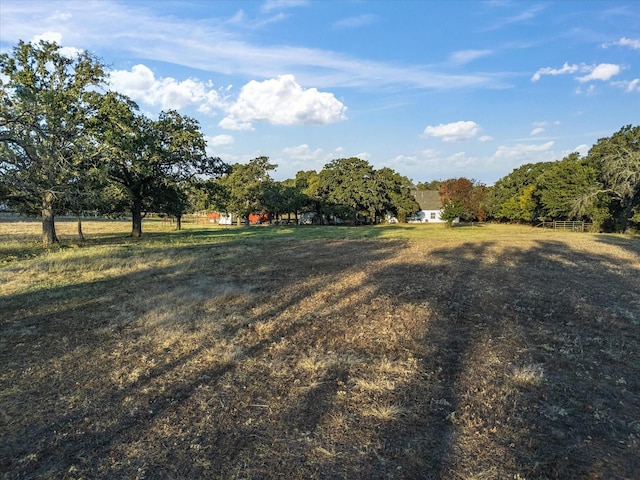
(432, 89)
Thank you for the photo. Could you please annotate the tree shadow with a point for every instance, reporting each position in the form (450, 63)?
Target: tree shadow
(352, 359)
(632, 244)
(536, 352)
(90, 364)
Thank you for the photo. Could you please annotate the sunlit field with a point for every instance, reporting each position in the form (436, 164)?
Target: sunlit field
(400, 351)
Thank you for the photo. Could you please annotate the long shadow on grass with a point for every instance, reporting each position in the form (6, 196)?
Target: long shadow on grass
(87, 390)
(531, 356)
(249, 360)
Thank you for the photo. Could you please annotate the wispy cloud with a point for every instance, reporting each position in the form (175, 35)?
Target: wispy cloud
(528, 14)
(566, 68)
(629, 86)
(217, 46)
(219, 140)
(632, 43)
(355, 22)
(462, 57)
(521, 150)
(603, 71)
(270, 5)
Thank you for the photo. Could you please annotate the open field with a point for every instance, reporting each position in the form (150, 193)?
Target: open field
(408, 351)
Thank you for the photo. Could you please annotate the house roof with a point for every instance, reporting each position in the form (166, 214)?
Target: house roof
(427, 199)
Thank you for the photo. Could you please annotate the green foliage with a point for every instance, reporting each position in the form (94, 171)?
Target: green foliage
(397, 190)
(245, 187)
(617, 158)
(453, 210)
(352, 188)
(351, 183)
(432, 185)
(603, 187)
(562, 184)
(512, 197)
(284, 198)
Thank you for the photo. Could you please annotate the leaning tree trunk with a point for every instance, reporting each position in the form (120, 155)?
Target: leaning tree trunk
(49, 236)
(136, 214)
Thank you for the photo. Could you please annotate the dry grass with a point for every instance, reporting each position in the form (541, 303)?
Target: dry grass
(472, 353)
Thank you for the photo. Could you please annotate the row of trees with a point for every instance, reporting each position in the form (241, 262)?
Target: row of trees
(347, 188)
(603, 187)
(67, 144)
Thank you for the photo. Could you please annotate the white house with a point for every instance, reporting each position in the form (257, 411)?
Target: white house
(430, 207)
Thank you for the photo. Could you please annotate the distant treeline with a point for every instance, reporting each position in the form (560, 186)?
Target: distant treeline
(68, 144)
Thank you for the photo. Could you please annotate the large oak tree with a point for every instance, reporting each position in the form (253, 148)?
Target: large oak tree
(46, 100)
(150, 159)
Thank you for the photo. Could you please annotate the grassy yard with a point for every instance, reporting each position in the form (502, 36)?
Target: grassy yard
(403, 351)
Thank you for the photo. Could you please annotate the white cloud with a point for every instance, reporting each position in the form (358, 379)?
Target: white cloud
(453, 132)
(634, 85)
(303, 152)
(603, 72)
(60, 16)
(281, 101)
(219, 140)
(582, 149)
(140, 30)
(625, 42)
(141, 85)
(521, 150)
(485, 138)
(232, 124)
(528, 14)
(404, 160)
(629, 86)
(56, 37)
(566, 68)
(537, 131)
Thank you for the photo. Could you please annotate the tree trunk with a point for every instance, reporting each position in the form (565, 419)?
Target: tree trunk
(80, 234)
(178, 222)
(49, 236)
(136, 214)
(628, 211)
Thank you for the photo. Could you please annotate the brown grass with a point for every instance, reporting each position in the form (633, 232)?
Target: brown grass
(476, 354)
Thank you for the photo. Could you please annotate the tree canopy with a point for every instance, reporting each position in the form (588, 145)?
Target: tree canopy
(618, 160)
